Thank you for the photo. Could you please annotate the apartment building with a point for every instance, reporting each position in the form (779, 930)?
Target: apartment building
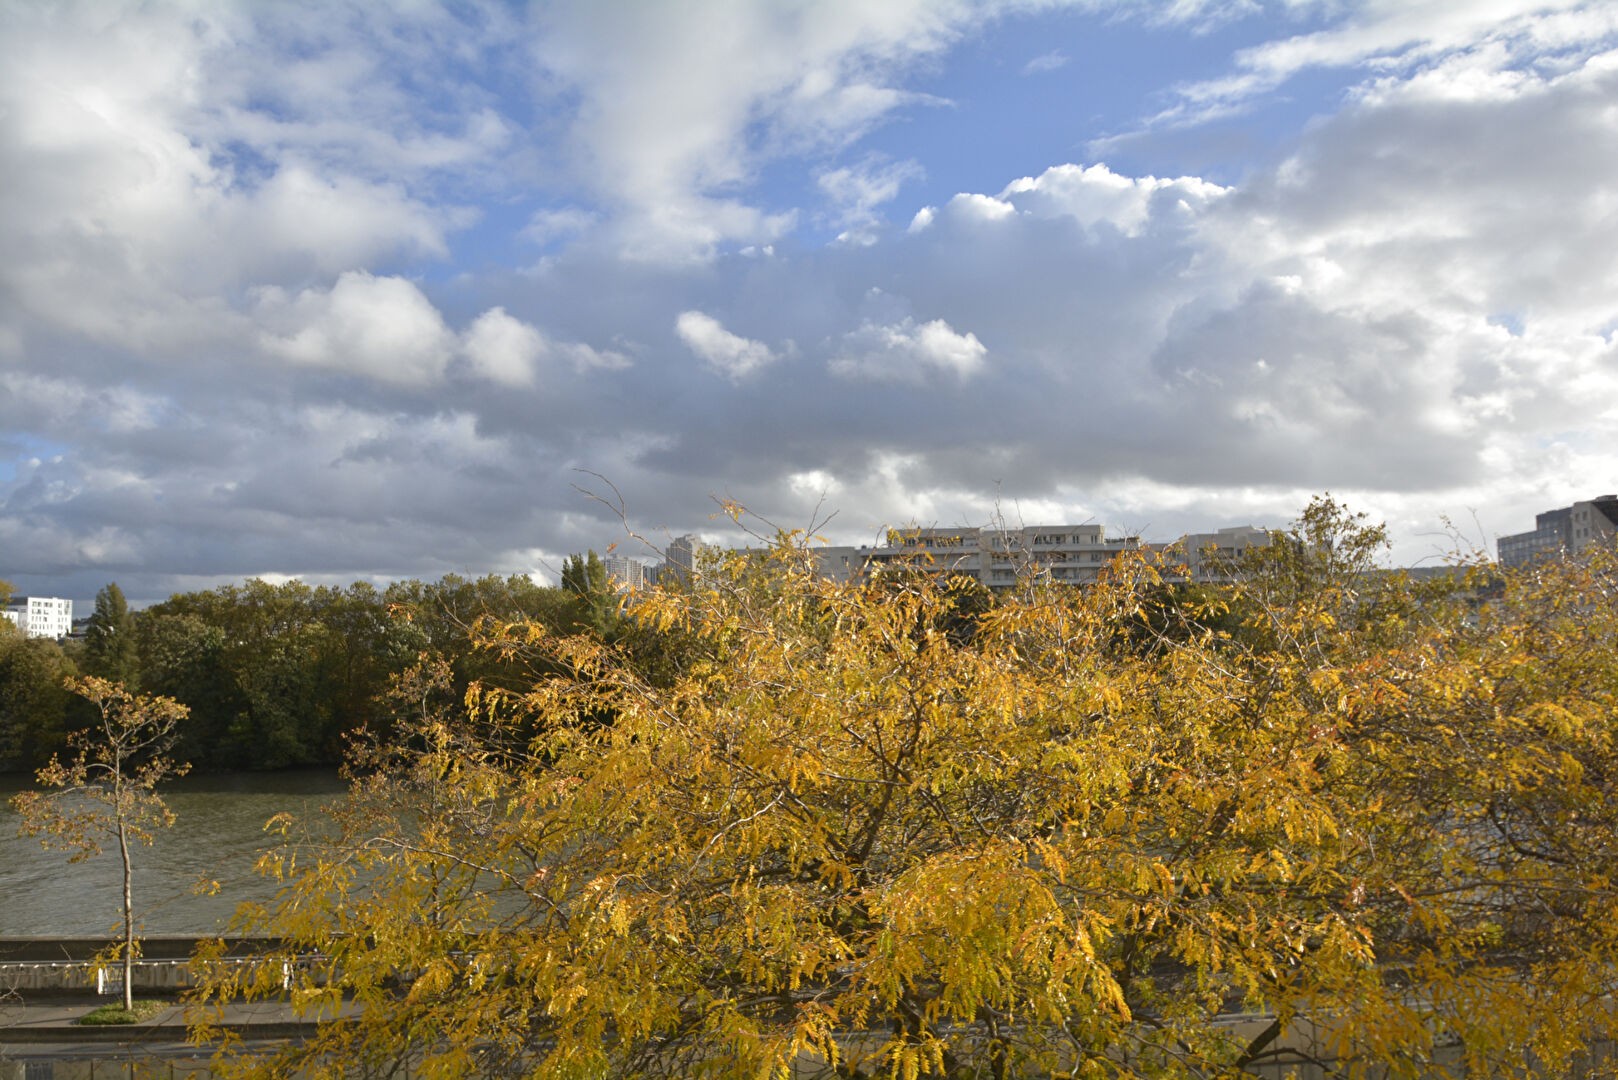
(683, 557)
(627, 573)
(1213, 557)
(1567, 530)
(41, 616)
(1068, 554)
(1063, 554)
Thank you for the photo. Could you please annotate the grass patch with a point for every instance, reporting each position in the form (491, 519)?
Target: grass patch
(144, 1009)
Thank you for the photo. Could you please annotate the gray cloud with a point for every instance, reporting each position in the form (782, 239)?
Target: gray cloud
(226, 346)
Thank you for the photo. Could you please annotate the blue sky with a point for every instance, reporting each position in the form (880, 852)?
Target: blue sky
(345, 292)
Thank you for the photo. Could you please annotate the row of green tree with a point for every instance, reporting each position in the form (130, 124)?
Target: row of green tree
(276, 675)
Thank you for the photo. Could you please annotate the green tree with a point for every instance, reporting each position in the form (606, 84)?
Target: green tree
(33, 703)
(275, 674)
(595, 602)
(584, 574)
(838, 829)
(367, 647)
(110, 649)
(184, 657)
(282, 674)
(269, 699)
(107, 792)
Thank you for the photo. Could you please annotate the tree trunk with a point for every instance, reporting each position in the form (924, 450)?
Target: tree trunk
(129, 922)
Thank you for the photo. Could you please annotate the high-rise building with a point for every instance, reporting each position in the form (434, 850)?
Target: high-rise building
(1567, 530)
(683, 558)
(41, 616)
(627, 573)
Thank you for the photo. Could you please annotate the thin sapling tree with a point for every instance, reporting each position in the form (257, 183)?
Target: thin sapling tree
(107, 792)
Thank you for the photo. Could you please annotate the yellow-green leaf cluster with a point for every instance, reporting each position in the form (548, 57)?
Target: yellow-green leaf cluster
(832, 827)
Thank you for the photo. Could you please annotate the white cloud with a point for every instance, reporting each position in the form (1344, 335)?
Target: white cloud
(566, 222)
(855, 191)
(906, 352)
(502, 348)
(724, 352)
(300, 219)
(508, 351)
(815, 484)
(1094, 194)
(209, 213)
(585, 358)
(1397, 36)
(1373, 210)
(381, 328)
(972, 206)
(1051, 61)
(132, 211)
(338, 87)
(679, 104)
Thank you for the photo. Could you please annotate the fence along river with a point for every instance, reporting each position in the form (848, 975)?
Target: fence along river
(218, 834)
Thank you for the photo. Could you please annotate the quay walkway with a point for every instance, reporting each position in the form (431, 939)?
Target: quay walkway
(48, 984)
(40, 1038)
(54, 1020)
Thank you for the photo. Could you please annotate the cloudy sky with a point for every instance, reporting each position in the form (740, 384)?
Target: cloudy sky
(351, 292)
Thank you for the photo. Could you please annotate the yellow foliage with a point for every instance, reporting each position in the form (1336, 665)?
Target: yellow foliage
(783, 820)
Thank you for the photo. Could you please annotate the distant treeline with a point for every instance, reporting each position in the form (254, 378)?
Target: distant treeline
(276, 676)
(282, 676)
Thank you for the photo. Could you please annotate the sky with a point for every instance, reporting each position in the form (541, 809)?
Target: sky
(357, 291)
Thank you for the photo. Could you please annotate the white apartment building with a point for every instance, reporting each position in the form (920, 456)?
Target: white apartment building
(840, 563)
(1214, 557)
(41, 616)
(1063, 554)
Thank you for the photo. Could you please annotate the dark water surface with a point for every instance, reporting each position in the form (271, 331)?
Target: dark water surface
(218, 834)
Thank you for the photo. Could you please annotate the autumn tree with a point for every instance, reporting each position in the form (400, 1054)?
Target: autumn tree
(835, 831)
(106, 793)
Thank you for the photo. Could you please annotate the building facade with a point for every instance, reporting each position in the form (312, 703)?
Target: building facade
(997, 558)
(683, 558)
(41, 616)
(1062, 554)
(1567, 530)
(1214, 557)
(627, 573)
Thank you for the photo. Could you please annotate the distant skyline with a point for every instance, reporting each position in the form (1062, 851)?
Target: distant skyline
(353, 291)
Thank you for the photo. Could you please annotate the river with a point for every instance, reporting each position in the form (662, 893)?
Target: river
(217, 834)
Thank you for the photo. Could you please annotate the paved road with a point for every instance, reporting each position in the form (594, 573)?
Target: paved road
(45, 1030)
(55, 1020)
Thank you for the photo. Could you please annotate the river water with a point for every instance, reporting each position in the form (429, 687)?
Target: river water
(217, 834)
